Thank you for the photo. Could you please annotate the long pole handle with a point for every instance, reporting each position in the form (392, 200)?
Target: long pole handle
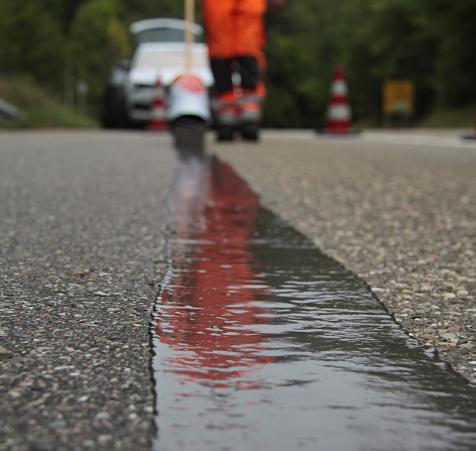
(190, 21)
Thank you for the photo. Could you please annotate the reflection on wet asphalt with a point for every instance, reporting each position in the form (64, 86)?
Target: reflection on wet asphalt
(264, 343)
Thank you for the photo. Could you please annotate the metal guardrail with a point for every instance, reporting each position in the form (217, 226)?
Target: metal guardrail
(10, 111)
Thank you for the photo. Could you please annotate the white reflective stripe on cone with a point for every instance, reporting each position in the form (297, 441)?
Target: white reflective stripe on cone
(339, 112)
(339, 88)
(159, 113)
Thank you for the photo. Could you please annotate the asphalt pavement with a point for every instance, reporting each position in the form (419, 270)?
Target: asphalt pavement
(81, 246)
(82, 232)
(397, 208)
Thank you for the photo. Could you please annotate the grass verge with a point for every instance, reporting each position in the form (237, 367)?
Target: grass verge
(446, 118)
(41, 110)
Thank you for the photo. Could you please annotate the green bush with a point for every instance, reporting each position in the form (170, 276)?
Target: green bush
(99, 39)
(41, 111)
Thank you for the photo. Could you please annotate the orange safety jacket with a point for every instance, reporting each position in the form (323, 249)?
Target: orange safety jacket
(235, 28)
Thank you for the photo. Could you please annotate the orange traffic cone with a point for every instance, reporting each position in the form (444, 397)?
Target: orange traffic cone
(339, 115)
(158, 118)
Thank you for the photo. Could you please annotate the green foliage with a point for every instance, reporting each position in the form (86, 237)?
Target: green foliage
(451, 118)
(454, 25)
(98, 40)
(143, 9)
(395, 45)
(31, 39)
(426, 41)
(40, 109)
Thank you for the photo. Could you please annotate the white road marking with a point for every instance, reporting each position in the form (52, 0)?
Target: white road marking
(426, 140)
(437, 138)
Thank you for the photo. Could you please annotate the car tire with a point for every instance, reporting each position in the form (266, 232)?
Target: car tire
(114, 109)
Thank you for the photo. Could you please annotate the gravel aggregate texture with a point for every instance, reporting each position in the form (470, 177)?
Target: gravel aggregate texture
(81, 251)
(402, 216)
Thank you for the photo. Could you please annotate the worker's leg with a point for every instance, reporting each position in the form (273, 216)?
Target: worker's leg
(250, 37)
(219, 27)
(250, 56)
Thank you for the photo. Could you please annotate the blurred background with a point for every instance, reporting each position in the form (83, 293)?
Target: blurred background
(56, 57)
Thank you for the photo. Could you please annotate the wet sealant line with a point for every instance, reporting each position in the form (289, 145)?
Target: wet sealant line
(263, 342)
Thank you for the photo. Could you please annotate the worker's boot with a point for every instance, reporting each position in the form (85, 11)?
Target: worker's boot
(226, 115)
(249, 110)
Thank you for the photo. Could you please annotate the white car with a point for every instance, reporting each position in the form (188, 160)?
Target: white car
(158, 59)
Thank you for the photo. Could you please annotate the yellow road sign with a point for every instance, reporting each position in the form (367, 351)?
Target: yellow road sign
(398, 97)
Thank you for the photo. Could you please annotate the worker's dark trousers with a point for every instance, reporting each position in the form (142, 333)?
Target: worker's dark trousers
(246, 66)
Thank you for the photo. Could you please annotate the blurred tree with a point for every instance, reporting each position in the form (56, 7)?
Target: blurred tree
(68, 12)
(31, 40)
(99, 39)
(294, 75)
(140, 9)
(453, 23)
(395, 44)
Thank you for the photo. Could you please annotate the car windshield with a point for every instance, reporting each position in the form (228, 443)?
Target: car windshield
(167, 58)
(164, 35)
